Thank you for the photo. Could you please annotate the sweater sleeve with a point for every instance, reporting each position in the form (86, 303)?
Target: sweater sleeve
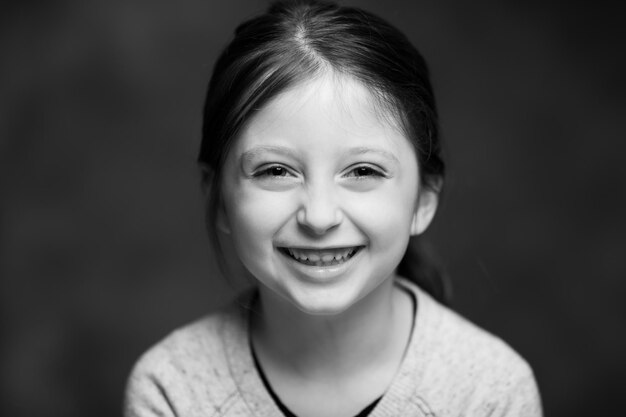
(184, 375)
(522, 397)
(145, 396)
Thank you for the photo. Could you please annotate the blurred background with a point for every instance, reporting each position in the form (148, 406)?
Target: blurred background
(102, 242)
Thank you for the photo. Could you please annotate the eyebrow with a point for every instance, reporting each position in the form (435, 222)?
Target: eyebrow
(250, 154)
(364, 149)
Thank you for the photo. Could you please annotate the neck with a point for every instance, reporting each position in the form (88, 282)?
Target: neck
(375, 331)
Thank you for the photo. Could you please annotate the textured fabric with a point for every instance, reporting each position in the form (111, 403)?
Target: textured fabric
(283, 408)
(451, 368)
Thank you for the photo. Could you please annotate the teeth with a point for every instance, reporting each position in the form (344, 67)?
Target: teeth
(321, 258)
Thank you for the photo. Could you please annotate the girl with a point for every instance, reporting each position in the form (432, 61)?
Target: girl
(321, 160)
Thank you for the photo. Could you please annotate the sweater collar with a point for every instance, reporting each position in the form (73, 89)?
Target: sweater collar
(402, 396)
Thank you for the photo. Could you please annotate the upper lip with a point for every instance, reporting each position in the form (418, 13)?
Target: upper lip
(320, 248)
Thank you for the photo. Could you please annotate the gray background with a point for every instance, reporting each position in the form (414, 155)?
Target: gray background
(102, 243)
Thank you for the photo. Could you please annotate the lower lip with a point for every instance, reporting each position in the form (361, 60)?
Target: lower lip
(318, 273)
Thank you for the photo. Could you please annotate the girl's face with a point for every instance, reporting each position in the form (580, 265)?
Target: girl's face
(321, 194)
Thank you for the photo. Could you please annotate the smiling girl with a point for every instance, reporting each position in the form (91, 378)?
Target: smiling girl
(321, 161)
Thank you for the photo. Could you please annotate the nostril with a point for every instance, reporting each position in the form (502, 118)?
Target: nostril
(320, 210)
(319, 221)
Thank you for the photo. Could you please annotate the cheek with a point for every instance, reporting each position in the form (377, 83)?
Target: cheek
(255, 217)
(384, 216)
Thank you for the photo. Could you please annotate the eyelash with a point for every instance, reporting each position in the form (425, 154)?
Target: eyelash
(366, 171)
(370, 172)
(267, 172)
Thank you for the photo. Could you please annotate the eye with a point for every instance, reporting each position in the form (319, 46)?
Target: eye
(365, 171)
(272, 171)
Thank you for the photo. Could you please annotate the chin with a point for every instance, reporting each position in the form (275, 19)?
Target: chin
(322, 310)
(324, 304)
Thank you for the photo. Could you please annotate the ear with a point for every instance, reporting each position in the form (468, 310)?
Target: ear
(213, 201)
(425, 210)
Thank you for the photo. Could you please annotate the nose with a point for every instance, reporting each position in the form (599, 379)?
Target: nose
(320, 211)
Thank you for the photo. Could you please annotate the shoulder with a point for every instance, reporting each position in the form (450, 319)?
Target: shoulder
(469, 367)
(197, 343)
(186, 373)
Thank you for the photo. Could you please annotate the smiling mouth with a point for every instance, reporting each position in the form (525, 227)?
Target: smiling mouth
(323, 257)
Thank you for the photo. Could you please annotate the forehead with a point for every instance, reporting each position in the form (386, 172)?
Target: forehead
(330, 104)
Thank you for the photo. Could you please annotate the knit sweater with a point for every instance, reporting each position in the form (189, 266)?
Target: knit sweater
(450, 368)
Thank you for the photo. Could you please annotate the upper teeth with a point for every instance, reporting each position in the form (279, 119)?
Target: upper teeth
(320, 255)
